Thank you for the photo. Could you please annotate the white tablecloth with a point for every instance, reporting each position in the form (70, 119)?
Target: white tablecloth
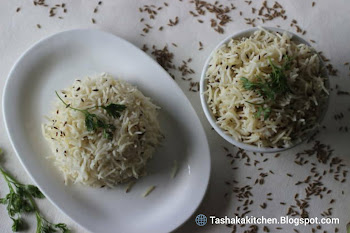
(327, 23)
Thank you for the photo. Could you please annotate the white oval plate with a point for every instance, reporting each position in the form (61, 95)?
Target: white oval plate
(53, 64)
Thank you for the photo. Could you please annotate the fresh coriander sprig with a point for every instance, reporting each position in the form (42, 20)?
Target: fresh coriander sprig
(44, 226)
(275, 85)
(21, 200)
(265, 111)
(278, 80)
(93, 122)
(261, 87)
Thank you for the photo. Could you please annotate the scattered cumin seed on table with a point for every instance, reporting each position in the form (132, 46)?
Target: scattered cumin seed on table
(266, 229)
(173, 23)
(200, 45)
(144, 48)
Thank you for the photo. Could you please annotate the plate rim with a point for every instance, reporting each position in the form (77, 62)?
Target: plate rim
(104, 33)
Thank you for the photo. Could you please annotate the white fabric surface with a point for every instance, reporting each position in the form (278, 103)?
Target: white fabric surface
(327, 23)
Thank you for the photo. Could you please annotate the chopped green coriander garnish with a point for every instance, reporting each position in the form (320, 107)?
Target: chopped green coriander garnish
(93, 122)
(269, 89)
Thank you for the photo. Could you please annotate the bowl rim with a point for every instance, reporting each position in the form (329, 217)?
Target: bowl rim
(209, 115)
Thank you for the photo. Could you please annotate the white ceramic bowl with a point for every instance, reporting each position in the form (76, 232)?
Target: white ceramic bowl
(208, 112)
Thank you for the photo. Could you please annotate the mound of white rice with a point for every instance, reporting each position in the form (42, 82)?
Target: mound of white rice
(292, 115)
(87, 157)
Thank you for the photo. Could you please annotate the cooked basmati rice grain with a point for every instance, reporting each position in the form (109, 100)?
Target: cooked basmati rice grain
(87, 157)
(292, 116)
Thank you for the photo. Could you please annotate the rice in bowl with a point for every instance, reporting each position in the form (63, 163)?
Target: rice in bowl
(89, 157)
(266, 90)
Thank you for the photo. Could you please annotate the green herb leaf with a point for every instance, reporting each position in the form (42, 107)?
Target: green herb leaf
(34, 191)
(21, 199)
(47, 229)
(263, 111)
(63, 227)
(266, 112)
(15, 204)
(90, 122)
(101, 123)
(269, 89)
(3, 201)
(276, 84)
(44, 226)
(114, 109)
(248, 85)
(278, 80)
(107, 134)
(261, 87)
(17, 224)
